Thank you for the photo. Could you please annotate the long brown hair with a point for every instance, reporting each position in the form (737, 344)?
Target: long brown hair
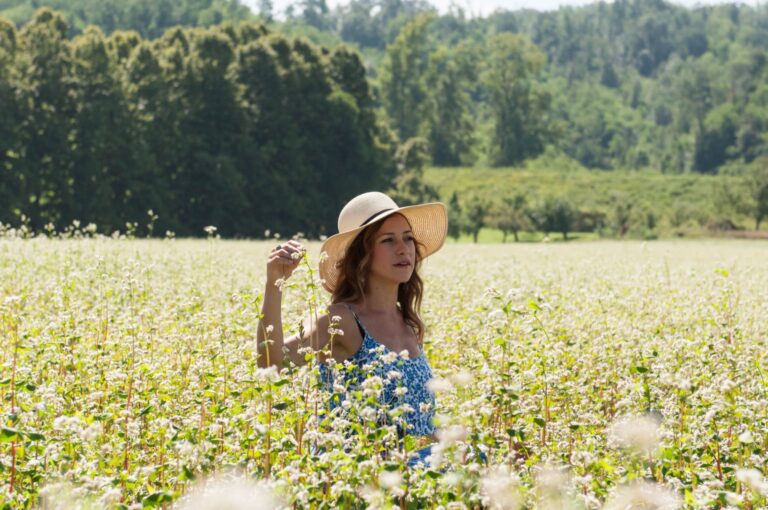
(353, 272)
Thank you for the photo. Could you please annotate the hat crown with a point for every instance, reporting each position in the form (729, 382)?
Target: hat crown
(362, 208)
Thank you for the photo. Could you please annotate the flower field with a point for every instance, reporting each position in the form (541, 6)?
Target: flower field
(589, 375)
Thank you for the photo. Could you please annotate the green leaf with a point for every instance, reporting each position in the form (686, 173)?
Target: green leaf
(280, 406)
(641, 369)
(539, 421)
(533, 305)
(8, 435)
(145, 411)
(156, 499)
(187, 474)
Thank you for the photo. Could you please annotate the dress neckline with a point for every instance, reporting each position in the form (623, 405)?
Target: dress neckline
(366, 334)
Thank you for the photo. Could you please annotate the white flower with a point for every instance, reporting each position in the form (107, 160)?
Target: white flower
(402, 390)
(500, 489)
(390, 479)
(450, 435)
(389, 357)
(727, 386)
(269, 373)
(394, 375)
(111, 497)
(754, 480)
(640, 433)
(270, 328)
(645, 495)
(746, 437)
(237, 494)
(438, 385)
(461, 379)
(92, 432)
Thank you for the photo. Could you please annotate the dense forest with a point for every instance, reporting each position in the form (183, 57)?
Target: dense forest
(630, 84)
(102, 124)
(221, 126)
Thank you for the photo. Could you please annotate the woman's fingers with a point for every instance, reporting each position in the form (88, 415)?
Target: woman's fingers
(291, 250)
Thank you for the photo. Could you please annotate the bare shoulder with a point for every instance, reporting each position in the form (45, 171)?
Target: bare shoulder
(340, 315)
(338, 323)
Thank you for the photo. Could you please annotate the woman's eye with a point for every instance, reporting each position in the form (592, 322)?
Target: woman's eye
(387, 240)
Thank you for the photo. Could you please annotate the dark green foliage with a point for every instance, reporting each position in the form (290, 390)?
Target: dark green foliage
(510, 213)
(409, 186)
(756, 183)
(519, 106)
(454, 216)
(151, 18)
(474, 215)
(450, 129)
(554, 215)
(404, 91)
(231, 126)
(9, 123)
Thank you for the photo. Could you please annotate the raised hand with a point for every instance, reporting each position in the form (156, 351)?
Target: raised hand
(282, 261)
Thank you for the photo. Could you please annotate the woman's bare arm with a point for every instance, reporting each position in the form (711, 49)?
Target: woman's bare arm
(280, 265)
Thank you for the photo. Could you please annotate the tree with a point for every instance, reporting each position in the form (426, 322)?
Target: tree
(474, 216)
(9, 121)
(756, 182)
(622, 213)
(409, 187)
(45, 68)
(451, 130)
(555, 215)
(510, 214)
(454, 217)
(520, 106)
(402, 78)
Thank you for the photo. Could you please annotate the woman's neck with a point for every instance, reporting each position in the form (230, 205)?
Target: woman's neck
(381, 298)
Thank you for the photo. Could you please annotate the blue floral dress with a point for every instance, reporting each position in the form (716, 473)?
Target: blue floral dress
(403, 383)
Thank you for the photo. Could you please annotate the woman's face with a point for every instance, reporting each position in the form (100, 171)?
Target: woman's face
(394, 251)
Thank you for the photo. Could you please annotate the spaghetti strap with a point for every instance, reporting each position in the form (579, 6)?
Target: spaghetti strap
(363, 331)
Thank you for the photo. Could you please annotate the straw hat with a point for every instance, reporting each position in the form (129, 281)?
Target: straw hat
(429, 223)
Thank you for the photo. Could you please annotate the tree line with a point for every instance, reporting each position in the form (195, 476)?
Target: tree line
(235, 126)
(626, 84)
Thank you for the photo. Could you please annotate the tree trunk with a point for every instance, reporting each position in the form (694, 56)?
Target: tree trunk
(565, 235)
(474, 235)
(516, 238)
(504, 236)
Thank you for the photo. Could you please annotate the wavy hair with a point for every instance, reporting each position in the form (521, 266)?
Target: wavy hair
(355, 266)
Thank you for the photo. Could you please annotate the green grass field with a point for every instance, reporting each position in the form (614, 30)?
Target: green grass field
(592, 375)
(684, 205)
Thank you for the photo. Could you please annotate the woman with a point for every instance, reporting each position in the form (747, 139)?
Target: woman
(371, 270)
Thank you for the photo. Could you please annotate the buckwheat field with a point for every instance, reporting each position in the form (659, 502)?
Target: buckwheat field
(593, 375)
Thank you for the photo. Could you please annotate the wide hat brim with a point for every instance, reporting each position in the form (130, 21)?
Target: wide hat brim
(429, 224)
